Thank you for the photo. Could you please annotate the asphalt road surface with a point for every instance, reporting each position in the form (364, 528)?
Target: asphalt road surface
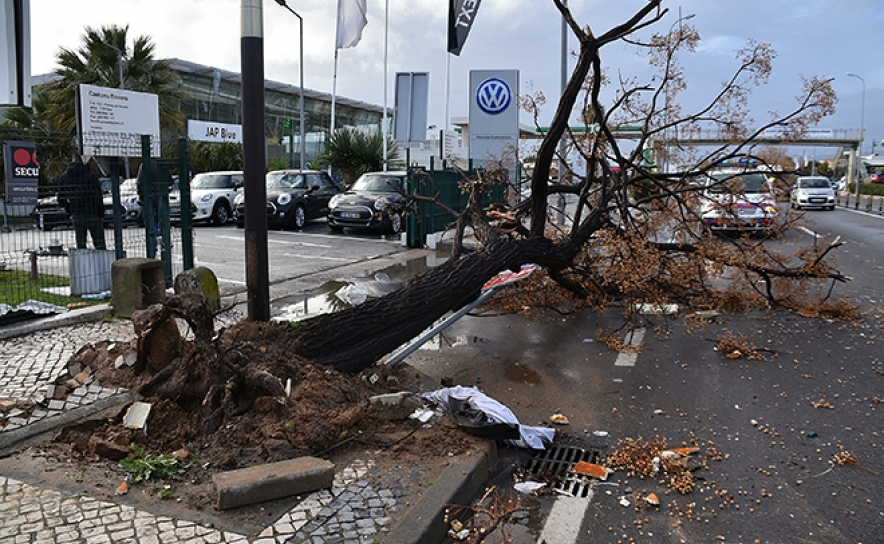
(779, 423)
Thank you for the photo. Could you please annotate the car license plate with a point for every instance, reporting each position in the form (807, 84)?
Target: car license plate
(817, 199)
(350, 215)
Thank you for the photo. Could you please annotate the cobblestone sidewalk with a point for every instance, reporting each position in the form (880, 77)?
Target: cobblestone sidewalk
(353, 511)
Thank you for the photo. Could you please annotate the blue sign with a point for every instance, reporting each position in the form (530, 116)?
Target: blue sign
(493, 96)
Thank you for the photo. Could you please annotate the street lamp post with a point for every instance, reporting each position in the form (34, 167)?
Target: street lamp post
(303, 146)
(862, 129)
(668, 164)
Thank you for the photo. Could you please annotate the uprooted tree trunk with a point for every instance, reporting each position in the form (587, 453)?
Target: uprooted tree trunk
(609, 247)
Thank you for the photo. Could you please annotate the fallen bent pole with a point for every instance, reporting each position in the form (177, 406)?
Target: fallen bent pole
(423, 339)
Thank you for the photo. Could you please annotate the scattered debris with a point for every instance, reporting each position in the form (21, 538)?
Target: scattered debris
(528, 487)
(652, 499)
(559, 419)
(530, 437)
(624, 502)
(136, 416)
(592, 469)
(823, 403)
(123, 488)
(656, 309)
(847, 458)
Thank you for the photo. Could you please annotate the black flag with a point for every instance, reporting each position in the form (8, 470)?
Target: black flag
(461, 14)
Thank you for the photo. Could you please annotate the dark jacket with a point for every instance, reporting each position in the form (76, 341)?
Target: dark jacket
(79, 191)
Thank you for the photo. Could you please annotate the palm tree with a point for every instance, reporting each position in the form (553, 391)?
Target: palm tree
(354, 152)
(96, 63)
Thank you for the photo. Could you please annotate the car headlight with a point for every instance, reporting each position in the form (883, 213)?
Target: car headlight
(206, 198)
(239, 199)
(334, 201)
(284, 199)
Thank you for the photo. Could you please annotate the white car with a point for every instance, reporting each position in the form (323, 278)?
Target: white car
(735, 202)
(813, 192)
(212, 194)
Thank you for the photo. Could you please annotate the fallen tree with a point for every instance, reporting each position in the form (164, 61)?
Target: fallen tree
(633, 234)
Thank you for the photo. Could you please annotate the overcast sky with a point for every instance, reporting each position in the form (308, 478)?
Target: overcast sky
(826, 38)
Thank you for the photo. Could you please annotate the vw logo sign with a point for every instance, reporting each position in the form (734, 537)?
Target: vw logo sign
(493, 96)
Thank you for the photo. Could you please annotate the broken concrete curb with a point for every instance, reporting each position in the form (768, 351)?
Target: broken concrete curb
(45, 425)
(271, 481)
(73, 317)
(458, 484)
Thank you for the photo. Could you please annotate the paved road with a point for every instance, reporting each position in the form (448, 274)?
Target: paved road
(291, 253)
(770, 419)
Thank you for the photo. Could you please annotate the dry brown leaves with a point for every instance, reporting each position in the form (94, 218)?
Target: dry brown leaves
(647, 459)
(736, 345)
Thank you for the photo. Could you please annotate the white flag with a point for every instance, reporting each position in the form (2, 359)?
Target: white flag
(351, 21)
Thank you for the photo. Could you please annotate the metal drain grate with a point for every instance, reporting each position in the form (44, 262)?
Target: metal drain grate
(554, 466)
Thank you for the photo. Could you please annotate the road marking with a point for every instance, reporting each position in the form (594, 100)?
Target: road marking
(562, 526)
(301, 255)
(810, 232)
(633, 338)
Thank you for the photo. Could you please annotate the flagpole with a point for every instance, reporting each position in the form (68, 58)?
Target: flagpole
(386, 36)
(447, 89)
(334, 91)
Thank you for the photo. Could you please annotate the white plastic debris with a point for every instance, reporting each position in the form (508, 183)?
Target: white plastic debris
(624, 502)
(353, 294)
(422, 414)
(528, 487)
(600, 433)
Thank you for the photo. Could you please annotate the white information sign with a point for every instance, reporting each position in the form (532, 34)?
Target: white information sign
(112, 121)
(209, 131)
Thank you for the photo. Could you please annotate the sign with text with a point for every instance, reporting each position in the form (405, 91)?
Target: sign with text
(110, 122)
(209, 131)
(494, 113)
(22, 172)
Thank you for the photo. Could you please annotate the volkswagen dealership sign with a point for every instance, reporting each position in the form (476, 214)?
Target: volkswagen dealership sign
(494, 113)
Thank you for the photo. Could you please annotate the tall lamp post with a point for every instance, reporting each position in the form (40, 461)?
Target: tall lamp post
(95, 38)
(668, 163)
(303, 145)
(862, 129)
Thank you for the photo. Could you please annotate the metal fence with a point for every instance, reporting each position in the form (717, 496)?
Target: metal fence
(45, 265)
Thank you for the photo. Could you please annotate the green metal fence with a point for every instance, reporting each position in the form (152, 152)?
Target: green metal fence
(445, 185)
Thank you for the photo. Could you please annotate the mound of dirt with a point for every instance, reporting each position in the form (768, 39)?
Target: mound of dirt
(324, 413)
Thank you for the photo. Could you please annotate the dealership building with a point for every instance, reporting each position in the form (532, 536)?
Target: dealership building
(216, 96)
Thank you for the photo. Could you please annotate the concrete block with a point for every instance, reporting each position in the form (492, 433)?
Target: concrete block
(272, 481)
(200, 283)
(137, 283)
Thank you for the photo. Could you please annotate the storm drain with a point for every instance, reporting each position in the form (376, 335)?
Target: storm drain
(554, 465)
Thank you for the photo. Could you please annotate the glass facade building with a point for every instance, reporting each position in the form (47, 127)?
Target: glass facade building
(216, 95)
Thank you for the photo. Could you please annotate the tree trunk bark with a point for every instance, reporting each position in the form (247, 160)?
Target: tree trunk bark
(356, 338)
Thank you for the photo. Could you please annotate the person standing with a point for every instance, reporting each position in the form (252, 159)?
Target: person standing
(79, 191)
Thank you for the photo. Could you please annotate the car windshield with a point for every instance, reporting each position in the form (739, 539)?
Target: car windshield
(814, 183)
(376, 184)
(285, 180)
(211, 181)
(745, 184)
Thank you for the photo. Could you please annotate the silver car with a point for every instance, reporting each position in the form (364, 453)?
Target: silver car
(813, 192)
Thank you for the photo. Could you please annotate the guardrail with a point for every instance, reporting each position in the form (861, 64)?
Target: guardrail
(866, 203)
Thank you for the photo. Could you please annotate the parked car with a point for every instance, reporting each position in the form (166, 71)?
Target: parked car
(48, 214)
(130, 203)
(735, 202)
(212, 195)
(293, 198)
(375, 201)
(813, 192)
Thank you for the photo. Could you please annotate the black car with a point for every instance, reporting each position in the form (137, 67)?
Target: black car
(375, 202)
(293, 198)
(49, 214)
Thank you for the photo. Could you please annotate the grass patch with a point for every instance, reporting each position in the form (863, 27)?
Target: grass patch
(16, 286)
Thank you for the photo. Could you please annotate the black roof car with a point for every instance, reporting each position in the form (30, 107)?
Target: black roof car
(376, 201)
(293, 198)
